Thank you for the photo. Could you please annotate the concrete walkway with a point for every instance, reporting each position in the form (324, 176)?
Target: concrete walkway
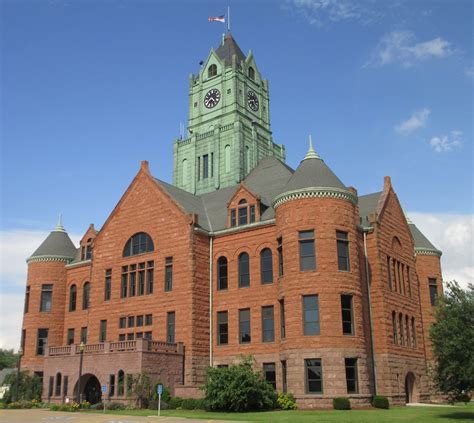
(45, 416)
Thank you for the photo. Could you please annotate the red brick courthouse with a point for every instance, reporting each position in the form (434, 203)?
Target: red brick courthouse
(330, 291)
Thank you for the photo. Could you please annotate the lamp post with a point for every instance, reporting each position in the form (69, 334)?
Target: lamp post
(20, 353)
(82, 346)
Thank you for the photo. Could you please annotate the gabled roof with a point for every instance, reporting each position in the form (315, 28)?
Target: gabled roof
(227, 49)
(368, 205)
(56, 245)
(420, 240)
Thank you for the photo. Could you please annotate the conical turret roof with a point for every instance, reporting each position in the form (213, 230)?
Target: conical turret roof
(228, 48)
(57, 245)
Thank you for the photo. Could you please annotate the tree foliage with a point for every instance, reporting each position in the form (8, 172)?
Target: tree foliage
(29, 387)
(452, 336)
(238, 388)
(139, 386)
(8, 359)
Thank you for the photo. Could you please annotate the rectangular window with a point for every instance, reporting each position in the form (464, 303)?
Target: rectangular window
(130, 336)
(170, 326)
(70, 336)
(269, 373)
(394, 328)
(141, 279)
(139, 335)
(311, 315)
(23, 339)
(400, 329)
(413, 332)
(280, 256)
(389, 273)
(149, 277)
(307, 254)
(27, 299)
(394, 266)
(111, 385)
(347, 315)
(233, 219)
(400, 284)
(131, 321)
(284, 376)
(42, 341)
(205, 166)
(124, 282)
(122, 322)
(199, 168)
(148, 335)
(252, 214)
(351, 376)
(402, 271)
(50, 386)
(84, 334)
(282, 319)
(222, 328)
(46, 297)
(108, 284)
(268, 324)
(342, 240)
(409, 281)
(65, 385)
(212, 165)
(121, 337)
(168, 273)
(244, 326)
(314, 376)
(103, 331)
(139, 321)
(243, 216)
(222, 366)
(132, 280)
(148, 319)
(432, 283)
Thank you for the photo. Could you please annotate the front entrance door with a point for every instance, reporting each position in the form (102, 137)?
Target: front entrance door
(92, 392)
(410, 392)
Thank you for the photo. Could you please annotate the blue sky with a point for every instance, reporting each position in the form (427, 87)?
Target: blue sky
(91, 88)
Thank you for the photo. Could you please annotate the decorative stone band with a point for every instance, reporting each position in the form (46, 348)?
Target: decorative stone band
(427, 252)
(315, 192)
(49, 258)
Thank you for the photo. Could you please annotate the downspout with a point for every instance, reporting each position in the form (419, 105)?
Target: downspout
(210, 301)
(374, 367)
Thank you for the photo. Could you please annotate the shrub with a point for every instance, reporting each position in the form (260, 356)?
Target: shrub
(165, 396)
(85, 405)
(97, 406)
(115, 406)
(175, 402)
(54, 407)
(238, 388)
(380, 401)
(192, 404)
(29, 387)
(341, 403)
(286, 401)
(153, 405)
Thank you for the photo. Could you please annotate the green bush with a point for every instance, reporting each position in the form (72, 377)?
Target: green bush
(153, 405)
(97, 406)
(193, 404)
(175, 402)
(380, 401)
(238, 388)
(54, 407)
(341, 403)
(165, 396)
(85, 405)
(115, 406)
(29, 387)
(286, 401)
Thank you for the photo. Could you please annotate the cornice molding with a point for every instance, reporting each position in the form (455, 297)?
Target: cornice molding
(427, 252)
(314, 192)
(35, 259)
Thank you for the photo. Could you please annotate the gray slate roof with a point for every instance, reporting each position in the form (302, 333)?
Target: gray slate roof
(367, 205)
(56, 244)
(420, 240)
(313, 172)
(228, 48)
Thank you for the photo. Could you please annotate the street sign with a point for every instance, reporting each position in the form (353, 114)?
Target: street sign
(159, 389)
(104, 388)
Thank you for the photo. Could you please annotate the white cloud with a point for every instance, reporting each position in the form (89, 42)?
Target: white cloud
(15, 247)
(415, 121)
(453, 234)
(446, 143)
(402, 47)
(469, 72)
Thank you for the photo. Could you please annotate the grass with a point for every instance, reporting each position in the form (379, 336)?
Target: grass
(394, 415)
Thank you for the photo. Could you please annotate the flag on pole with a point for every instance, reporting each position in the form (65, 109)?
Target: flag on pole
(216, 18)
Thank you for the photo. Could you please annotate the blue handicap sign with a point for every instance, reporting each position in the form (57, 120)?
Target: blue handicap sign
(159, 389)
(104, 388)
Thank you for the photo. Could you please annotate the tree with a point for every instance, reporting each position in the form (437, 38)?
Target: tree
(238, 388)
(139, 386)
(8, 359)
(452, 336)
(29, 387)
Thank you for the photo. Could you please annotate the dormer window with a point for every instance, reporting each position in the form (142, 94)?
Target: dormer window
(86, 250)
(212, 71)
(251, 73)
(243, 214)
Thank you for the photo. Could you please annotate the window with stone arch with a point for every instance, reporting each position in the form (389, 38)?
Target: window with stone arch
(212, 71)
(266, 266)
(222, 273)
(121, 383)
(244, 270)
(185, 171)
(72, 297)
(396, 244)
(139, 243)
(86, 292)
(251, 73)
(58, 384)
(227, 158)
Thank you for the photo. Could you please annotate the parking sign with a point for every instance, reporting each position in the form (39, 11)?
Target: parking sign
(104, 388)
(159, 389)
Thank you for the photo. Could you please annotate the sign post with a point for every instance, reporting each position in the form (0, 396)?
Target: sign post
(104, 391)
(159, 391)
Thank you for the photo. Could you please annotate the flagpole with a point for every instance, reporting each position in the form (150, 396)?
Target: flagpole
(228, 18)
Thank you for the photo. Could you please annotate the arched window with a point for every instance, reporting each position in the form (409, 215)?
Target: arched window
(266, 265)
(227, 158)
(394, 328)
(212, 71)
(121, 383)
(251, 73)
(222, 273)
(138, 244)
(185, 171)
(244, 270)
(243, 201)
(86, 295)
(72, 298)
(58, 385)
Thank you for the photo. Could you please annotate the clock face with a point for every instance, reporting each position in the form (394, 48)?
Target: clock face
(212, 98)
(252, 100)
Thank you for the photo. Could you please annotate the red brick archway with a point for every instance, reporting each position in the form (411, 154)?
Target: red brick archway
(90, 389)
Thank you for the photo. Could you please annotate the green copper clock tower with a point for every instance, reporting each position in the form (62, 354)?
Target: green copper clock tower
(229, 122)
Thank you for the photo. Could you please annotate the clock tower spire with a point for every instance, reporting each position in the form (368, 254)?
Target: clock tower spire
(228, 125)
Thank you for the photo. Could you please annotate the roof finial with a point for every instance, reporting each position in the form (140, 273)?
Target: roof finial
(311, 154)
(59, 227)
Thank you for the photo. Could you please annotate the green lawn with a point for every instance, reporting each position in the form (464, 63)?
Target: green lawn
(396, 415)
